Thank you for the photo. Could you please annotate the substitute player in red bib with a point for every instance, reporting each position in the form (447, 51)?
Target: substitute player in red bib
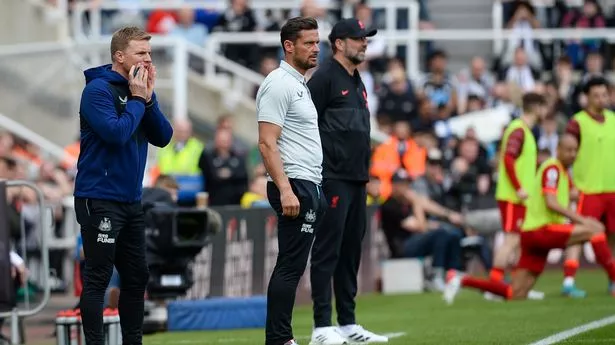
(546, 226)
(517, 167)
(593, 172)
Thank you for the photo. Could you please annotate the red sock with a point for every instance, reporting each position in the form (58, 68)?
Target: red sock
(570, 268)
(603, 254)
(496, 287)
(496, 274)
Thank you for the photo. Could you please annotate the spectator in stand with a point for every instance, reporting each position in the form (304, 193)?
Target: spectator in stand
(181, 159)
(590, 16)
(225, 171)
(562, 82)
(594, 67)
(376, 46)
(479, 171)
(397, 100)
(548, 137)
(400, 151)
(188, 29)
(370, 88)
(474, 81)
(520, 73)
(225, 122)
(522, 23)
(256, 195)
(239, 18)
(426, 119)
(439, 87)
(409, 233)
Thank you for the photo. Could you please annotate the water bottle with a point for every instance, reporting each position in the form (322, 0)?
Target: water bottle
(61, 334)
(107, 327)
(115, 319)
(72, 322)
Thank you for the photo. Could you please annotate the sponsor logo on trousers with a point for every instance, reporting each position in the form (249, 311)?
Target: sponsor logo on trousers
(104, 238)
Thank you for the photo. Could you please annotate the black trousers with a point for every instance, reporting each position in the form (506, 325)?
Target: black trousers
(337, 252)
(113, 234)
(295, 237)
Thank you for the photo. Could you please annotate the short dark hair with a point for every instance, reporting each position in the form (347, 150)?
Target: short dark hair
(594, 82)
(532, 99)
(293, 27)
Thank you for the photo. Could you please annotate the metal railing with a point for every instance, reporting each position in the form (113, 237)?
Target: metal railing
(44, 225)
(390, 7)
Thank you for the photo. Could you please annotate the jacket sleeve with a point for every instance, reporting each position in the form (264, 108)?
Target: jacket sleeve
(157, 128)
(320, 88)
(98, 109)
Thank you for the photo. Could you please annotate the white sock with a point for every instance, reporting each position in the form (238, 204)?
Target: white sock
(569, 281)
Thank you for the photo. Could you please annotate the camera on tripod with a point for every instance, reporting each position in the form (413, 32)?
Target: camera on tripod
(174, 237)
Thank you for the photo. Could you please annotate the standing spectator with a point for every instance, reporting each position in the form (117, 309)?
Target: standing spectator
(238, 18)
(119, 116)
(590, 16)
(225, 172)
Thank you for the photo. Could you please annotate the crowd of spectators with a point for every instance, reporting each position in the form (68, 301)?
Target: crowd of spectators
(456, 172)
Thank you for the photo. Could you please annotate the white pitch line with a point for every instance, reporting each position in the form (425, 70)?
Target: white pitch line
(556, 338)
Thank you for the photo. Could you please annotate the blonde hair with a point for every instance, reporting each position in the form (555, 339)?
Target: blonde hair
(122, 37)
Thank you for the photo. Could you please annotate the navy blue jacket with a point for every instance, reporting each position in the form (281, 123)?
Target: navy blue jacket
(114, 144)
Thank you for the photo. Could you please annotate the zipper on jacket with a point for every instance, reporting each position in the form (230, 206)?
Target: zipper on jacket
(138, 164)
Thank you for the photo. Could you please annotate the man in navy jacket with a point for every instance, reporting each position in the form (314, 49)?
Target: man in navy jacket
(119, 116)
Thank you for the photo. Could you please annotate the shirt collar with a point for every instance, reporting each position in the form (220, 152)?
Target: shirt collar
(292, 71)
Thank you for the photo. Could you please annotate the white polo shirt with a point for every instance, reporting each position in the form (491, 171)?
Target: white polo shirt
(284, 99)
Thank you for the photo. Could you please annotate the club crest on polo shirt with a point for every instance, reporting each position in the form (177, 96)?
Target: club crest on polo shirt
(105, 225)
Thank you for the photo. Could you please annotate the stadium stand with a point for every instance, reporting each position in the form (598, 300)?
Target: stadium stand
(438, 108)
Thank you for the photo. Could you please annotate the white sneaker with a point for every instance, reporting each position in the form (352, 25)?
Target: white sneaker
(453, 285)
(356, 334)
(327, 336)
(291, 342)
(536, 295)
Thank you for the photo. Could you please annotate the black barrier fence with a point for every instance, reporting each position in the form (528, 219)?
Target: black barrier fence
(7, 289)
(242, 255)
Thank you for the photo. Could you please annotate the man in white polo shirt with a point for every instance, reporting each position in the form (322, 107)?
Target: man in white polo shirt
(289, 143)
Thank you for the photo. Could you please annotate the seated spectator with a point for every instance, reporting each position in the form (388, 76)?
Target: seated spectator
(188, 29)
(548, 137)
(409, 234)
(426, 119)
(397, 99)
(590, 16)
(373, 191)
(561, 101)
(520, 73)
(594, 67)
(439, 87)
(400, 151)
(474, 81)
(256, 195)
(475, 103)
